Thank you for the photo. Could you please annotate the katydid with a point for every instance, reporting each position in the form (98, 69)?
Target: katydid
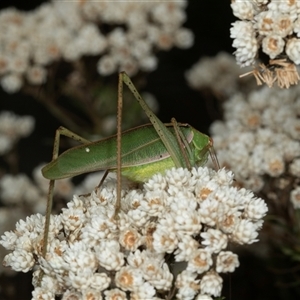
(142, 151)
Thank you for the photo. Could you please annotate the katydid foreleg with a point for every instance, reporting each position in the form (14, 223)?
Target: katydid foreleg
(214, 158)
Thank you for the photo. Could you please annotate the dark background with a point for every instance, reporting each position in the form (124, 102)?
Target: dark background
(210, 21)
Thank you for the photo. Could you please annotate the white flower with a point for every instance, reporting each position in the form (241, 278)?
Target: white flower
(5, 144)
(294, 167)
(274, 162)
(164, 237)
(284, 24)
(256, 209)
(100, 281)
(211, 284)
(91, 293)
(297, 27)
(13, 187)
(19, 260)
(48, 283)
(245, 42)
(184, 38)
(217, 73)
(80, 280)
(107, 65)
(243, 10)
(42, 293)
(273, 45)
(148, 63)
(144, 291)
(90, 40)
(227, 262)
(186, 246)
(79, 257)
(14, 126)
(265, 22)
(69, 294)
(284, 6)
(18, 65)
(187, 285)
(157, 182)
(135, 259)
(157, 274)
(129, 279)
(291, 128)
(138, 216)
(200, 261)
(154, 203)
(210, 211)
(229, 221)
(115, 294)
(98, 228)
(130, 239)
(8, 240)
(36, 75)
(109, 255)
(245, 232)
(293, 50)
(72, 219)
(203, 297)
(214, 239)
(187, 221)
(11, 83)
(295, 197)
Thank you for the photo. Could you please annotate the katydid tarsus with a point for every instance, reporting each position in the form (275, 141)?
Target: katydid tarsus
(137, 153)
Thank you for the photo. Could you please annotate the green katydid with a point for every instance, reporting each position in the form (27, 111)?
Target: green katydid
(141, 151)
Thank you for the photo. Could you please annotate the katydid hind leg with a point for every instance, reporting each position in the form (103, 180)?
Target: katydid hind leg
(168, 139)
(182, 142)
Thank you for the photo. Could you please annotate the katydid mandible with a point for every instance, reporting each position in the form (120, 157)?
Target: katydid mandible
(138, 153)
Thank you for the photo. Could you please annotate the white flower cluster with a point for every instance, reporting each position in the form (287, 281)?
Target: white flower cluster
(125, 34)
(219, 74)
(177, 223)
(21, 190)
(273, 26)
(260, 137)
(20, 196)
(12, 128)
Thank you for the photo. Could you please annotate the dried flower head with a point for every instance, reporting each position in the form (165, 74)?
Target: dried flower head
(281, 71)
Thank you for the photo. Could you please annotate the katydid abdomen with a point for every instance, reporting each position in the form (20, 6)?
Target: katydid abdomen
(143, 154)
